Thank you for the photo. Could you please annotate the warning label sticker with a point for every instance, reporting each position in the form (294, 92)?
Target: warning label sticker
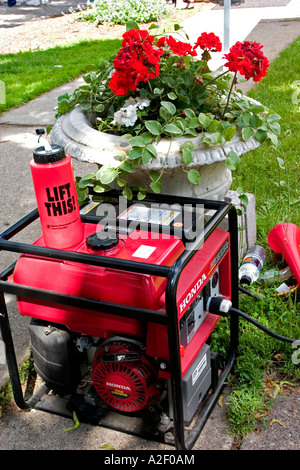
(199, 369)
(89, 207)
(149, 215)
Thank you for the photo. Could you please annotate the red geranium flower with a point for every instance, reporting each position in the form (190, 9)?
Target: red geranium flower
(138, 60)
(121, 83)
(247, 59)
(209, 41)
(161, 42)
(177, 47)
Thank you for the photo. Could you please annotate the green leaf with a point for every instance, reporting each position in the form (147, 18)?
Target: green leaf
(98, 188)
(146, 156)
(172, 129)
(151, 149)
(246, 118)
(193, 123)
(228, 133)
(137, 142)
(169, 107)
(64, 106)
(127, 193)
(244, 199)
(207, 140)
(127, 166)
(153, 127)
(131, 24)
(273, 138)
(85, 181)
(156, 187)
(275, 126)
(189, 113)
(147, 137)
(193, 176)
(172, 95)
(82, 194)
(107, 174)
(99, 108)
(120, 182)
(247, 133)
(281, 163)
(204, 120)
(135, 152)
(187, 144)
(273, 117)
(154, 175)
(76, 421)
(232, 160)
(63, 97)
(255, 121)
(261, 135)
(141, 195)
(256, 108)
(163, 113)
(187, 155)
(214, 126)
(240, 122)
(191, 132)
(217, 137)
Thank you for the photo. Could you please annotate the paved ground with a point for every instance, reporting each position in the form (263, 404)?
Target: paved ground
(35, 430)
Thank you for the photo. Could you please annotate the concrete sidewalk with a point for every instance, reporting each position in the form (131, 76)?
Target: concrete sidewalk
(275, 28)
(23, 13)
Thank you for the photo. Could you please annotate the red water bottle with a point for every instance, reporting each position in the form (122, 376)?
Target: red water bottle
(56, 197)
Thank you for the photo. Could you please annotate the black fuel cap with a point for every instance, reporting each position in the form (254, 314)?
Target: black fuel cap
(102, 240)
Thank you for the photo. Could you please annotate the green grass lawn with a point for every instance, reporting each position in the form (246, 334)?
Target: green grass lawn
(29, 74)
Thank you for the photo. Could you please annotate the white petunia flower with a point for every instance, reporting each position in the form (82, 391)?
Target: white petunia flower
(142, 103)
(127, 115)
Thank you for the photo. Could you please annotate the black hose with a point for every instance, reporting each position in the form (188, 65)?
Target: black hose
(254, 296)
(260, 326)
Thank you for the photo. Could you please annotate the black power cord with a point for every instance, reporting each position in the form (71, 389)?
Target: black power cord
(222, 307)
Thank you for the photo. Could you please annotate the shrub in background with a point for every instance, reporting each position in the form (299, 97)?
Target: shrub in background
(122, 11)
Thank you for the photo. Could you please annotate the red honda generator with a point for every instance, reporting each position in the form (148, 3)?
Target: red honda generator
(120, 326)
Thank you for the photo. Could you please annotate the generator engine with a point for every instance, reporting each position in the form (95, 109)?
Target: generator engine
(114, 363)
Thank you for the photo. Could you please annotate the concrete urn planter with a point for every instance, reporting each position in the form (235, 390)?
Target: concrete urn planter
(75, 133)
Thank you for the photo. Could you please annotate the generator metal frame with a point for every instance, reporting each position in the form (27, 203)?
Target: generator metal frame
(168, 318)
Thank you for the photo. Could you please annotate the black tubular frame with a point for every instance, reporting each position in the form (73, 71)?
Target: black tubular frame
(168, 318)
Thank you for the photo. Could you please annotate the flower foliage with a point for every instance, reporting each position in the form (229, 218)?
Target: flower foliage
(162, 87)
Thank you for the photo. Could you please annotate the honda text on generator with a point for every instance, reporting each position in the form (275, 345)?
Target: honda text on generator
(119, 323)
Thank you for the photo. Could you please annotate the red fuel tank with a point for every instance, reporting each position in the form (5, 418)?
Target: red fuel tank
(101, 283)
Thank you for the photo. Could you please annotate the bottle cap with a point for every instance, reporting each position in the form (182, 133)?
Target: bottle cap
(44, 155)
(246, 280)
(102, 240)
